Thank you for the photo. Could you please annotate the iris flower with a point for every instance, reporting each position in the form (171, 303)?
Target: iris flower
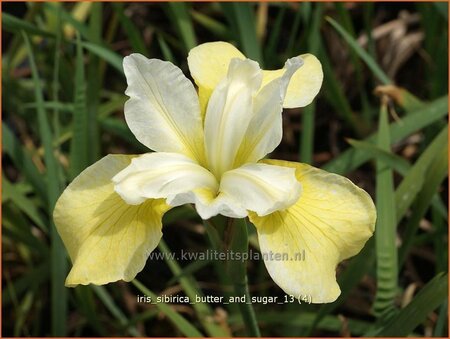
(209, 151)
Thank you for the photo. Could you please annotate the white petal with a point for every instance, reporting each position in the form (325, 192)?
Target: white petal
(229, 112)
(163, 111)
(261, 188)
(264, 132)
(162, 175)
(209, 205)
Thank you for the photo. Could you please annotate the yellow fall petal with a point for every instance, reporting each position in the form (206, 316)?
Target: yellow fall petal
(330, 222)
(107, 239)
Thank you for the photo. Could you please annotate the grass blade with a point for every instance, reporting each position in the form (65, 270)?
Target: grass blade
(79, 146)
(58, 254)
(23, 160)
(413, 182)
(240, 15)
(385, 229)
(212, 25)
(308, 117)
(376, 70)
(180, 323)
(270, 50)
(86, 303)
(165, 49)
(134, 36)
(13, 24)
(394, 161)
(427, 300)
(23, 203)
(436, 173)
(114, 59)
(351, 159)
(94, 82)
(336, 96)
(115, 310)
(203, 311)
(179, 14)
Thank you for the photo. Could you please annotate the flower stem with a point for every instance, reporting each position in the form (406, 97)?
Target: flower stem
(238, 273)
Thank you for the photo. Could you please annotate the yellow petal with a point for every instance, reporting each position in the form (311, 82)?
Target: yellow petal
(208, 64)
(304, 85)
(107, 239)
(331, 221)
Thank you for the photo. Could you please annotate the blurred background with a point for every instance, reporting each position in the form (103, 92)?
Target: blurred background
(62, 103)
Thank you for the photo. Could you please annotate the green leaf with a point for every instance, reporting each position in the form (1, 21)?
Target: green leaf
(308, 116)
(373, 66)
(165, 49)
(23, 203)
(190, 287)
(442, 8)
(68, 18)
(33, 278)
(108, 55)
(436, 173)
(179, 322)
(337, 98)
(58, 254)
(385, 229)
(22, 159)
(189, 269)
(17, 228)
(134, 35)
(80, 142)
(413, 182)
(95, 74)
(179, 15)
(242, 20)
(428, 299)
(13, 24)
(439, 329)
(115, 310)
(330, 323)
(394, 161)
(352, 158)
(87, 306)
(213, 26)
(294, 32)
(273, 39)
(119, 127)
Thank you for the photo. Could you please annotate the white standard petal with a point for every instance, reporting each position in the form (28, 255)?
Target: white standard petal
(162, 175)
(265, 130)
(208, 204)
(163, 111)
(261, 188)
(229, 112)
